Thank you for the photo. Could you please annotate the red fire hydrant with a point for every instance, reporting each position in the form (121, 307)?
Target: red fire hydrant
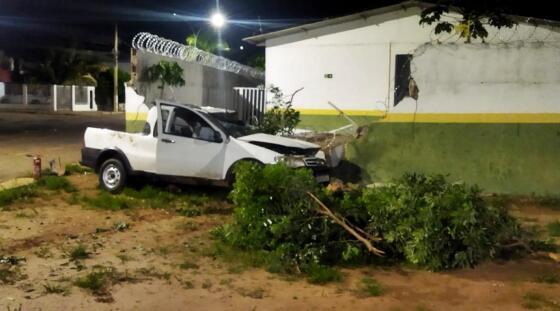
(36, 165)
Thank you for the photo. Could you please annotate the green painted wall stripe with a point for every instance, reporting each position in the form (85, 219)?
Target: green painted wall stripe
(501, 158)
(440, 117)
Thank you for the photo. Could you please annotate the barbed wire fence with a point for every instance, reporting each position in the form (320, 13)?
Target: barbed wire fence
(151, 43)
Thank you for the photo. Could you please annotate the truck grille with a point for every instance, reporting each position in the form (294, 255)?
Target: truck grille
(313, 162)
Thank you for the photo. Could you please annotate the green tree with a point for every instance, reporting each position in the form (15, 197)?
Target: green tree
(166, 73)
(257, 62)
(282, 118)
(206, 42)
(65, 67)
(476, 16)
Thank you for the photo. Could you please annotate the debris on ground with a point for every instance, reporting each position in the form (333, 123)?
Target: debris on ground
(11, 260)
(121, 226)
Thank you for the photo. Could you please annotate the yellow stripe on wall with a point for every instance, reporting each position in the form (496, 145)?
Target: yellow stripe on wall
(443, 117)
(420, 117)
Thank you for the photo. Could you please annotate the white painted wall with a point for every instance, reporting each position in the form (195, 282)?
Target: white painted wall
(361, 54)
(482, 78)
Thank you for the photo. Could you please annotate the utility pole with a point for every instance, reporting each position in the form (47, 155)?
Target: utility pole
(116, 72)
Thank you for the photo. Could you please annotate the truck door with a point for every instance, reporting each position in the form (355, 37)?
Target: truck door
(188, 146)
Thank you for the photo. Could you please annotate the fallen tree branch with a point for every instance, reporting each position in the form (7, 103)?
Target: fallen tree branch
(518, 244)
(367, 235)
(347, 226)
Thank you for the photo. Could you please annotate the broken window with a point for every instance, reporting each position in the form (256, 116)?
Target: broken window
(185, 123)
(402, 77)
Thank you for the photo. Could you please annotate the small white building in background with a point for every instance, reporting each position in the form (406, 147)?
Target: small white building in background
(363, 63)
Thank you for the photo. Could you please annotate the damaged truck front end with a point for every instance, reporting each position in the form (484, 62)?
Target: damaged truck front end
(294, 153)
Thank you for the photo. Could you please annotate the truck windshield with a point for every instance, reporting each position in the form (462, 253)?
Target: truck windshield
(229, 127)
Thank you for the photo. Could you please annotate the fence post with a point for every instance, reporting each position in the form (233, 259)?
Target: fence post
(54, 98)
(73, 97)
(24, 94)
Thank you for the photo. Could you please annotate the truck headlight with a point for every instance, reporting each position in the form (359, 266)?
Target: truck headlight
(291, 161)
(321, 155)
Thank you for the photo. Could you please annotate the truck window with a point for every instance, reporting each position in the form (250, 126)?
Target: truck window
(186, 123)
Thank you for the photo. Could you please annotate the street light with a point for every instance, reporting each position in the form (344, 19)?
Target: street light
(218, 20)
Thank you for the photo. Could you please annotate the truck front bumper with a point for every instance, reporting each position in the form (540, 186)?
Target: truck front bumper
(318, 165)
(322, 173)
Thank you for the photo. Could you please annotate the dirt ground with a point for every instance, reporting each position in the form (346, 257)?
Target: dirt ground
(165, 256)
(52, 136)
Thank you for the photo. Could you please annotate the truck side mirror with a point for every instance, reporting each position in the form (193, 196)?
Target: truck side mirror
(218, 137)
(147, 129)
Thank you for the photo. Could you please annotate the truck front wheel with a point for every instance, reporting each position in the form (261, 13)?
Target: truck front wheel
(112, 175)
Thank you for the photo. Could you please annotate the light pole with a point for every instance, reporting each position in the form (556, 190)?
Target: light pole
(116, 71)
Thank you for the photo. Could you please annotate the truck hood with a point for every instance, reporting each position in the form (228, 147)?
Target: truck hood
(283, 145)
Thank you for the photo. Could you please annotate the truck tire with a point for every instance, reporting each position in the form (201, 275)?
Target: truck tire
(112, 175)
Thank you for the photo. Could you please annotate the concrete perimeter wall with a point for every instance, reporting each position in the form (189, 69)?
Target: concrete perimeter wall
(204, 86)
(38, 97)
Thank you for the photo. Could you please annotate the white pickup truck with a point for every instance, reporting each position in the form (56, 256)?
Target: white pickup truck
(184, 143)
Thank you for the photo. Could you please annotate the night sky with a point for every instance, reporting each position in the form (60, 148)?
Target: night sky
(29, 26)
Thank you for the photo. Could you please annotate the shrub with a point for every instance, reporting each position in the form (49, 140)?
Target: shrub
(281, 118)
(152, 196)
(554, 228)
(98, 280)
(78, 252)
(371, 287)
(56, 183)
(319, 274)
(273, 214)
(10, 196)
(549, 278)
(110, 202)
(188, 203)
(420, 219)
(435, 224)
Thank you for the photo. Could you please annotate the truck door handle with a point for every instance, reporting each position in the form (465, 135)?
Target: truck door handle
(168, 141)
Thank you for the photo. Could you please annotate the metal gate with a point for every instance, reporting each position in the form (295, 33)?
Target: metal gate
(250, 103)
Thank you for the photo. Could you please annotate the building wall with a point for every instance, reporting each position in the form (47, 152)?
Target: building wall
(514, 82)
(486, 114)
(360, 55)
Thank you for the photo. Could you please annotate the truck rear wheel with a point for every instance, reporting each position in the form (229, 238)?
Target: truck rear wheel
(112, 175)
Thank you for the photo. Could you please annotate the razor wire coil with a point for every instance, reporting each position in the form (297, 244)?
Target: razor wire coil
(151, 43)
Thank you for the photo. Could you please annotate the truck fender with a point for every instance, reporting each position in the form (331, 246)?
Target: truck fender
(113, 154)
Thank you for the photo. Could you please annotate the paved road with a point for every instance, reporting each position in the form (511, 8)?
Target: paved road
(50, 135)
